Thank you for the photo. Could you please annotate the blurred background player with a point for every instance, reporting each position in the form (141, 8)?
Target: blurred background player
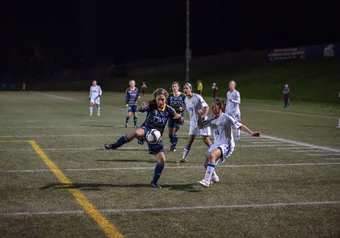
(286, 95)
(221, 125)
(195, 105)
(176, 101)
(94, 97)
(214, 90)
(233, 105)
(158, 113)
(131, 97)
(199, 87)
(144, 87)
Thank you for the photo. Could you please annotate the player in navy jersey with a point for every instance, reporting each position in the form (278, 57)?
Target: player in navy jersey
(131, 97)
(158, 113)
(176, 101)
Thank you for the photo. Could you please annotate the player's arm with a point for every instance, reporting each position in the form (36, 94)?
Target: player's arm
(127, 98)
(250, 132)
(177, 117)
(100, 91)
(202, 122)
(237, 99)
(143, 107)
(90, 94)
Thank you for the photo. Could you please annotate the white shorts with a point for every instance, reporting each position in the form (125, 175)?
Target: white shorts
(195, 131)
(226, 150)
(95, 100)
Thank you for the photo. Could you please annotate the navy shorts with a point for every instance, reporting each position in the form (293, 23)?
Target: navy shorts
(153, 148)
(132, 108)
(173, 124)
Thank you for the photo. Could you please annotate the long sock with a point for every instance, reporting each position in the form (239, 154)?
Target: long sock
(121, 141)
(186, 152)
(171, 137)
(158, 172)
(135, 121)
(209, 172)
(127, 119)
(238, 132)
(91, 109)
(98, 109)
(175, 140)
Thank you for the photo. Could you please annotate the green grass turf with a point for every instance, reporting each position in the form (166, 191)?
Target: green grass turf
(260, 171)
(314, 81)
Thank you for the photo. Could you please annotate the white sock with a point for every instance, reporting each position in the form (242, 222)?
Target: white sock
(98, 109)
(91, 109)
(209, 172)
(238, 132)
(185, 152)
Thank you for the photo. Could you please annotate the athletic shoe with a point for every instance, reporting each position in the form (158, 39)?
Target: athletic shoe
(204, 183)
(110, 146)
(183, 160)
(214, 179)
(172, 148)
(155, 185)
(98, 114)
(126, 125)
(90, 114)
(136, 126)
(141, 142)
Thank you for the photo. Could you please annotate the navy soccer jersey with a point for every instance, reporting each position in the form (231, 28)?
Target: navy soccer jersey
(131, 96)
(176, 101)
(157, 118)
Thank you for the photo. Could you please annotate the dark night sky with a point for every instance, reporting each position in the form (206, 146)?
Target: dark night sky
(133, 30)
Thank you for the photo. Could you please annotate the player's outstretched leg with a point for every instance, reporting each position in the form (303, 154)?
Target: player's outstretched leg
(121, 141)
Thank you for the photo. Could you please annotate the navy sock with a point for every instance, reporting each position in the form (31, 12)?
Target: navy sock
(175, 140)
(135, 121)
(158, 172)
(127, 119)
(121, 141)
(171, 137)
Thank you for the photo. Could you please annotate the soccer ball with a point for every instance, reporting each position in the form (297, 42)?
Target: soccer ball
(153, 136)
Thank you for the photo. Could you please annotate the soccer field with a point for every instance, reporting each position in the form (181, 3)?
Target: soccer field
(57, 180)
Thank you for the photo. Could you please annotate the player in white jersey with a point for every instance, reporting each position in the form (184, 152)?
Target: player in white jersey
(195, 105)
(94, 97)
(221, 125)
(233, 105)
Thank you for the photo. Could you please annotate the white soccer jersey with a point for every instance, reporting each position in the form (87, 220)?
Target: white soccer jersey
(192, 105)
(222, 128)
(233, 107)
(95, 93)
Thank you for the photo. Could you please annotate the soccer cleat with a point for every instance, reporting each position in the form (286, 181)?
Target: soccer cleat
(214, 179)
(141, 142)
(126, 125)
(90, 114)
(98, 114)
(204, 183)
(110, 146)
(172, 148)
(183, 160)
(155, 185)
(136, 126)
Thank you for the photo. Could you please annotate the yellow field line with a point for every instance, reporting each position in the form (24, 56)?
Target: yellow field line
(109, 229)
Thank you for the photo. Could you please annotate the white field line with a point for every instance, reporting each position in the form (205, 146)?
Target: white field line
(291, 149)
(267, 142)
(129, 148)
(332, 158)
(301, 143)
(323, 154)
(174, 167)
(305, 151)
(60, 97)
(163, 209)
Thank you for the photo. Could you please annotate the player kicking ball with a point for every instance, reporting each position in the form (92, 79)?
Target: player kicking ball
(158, 113)
(221, 125)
